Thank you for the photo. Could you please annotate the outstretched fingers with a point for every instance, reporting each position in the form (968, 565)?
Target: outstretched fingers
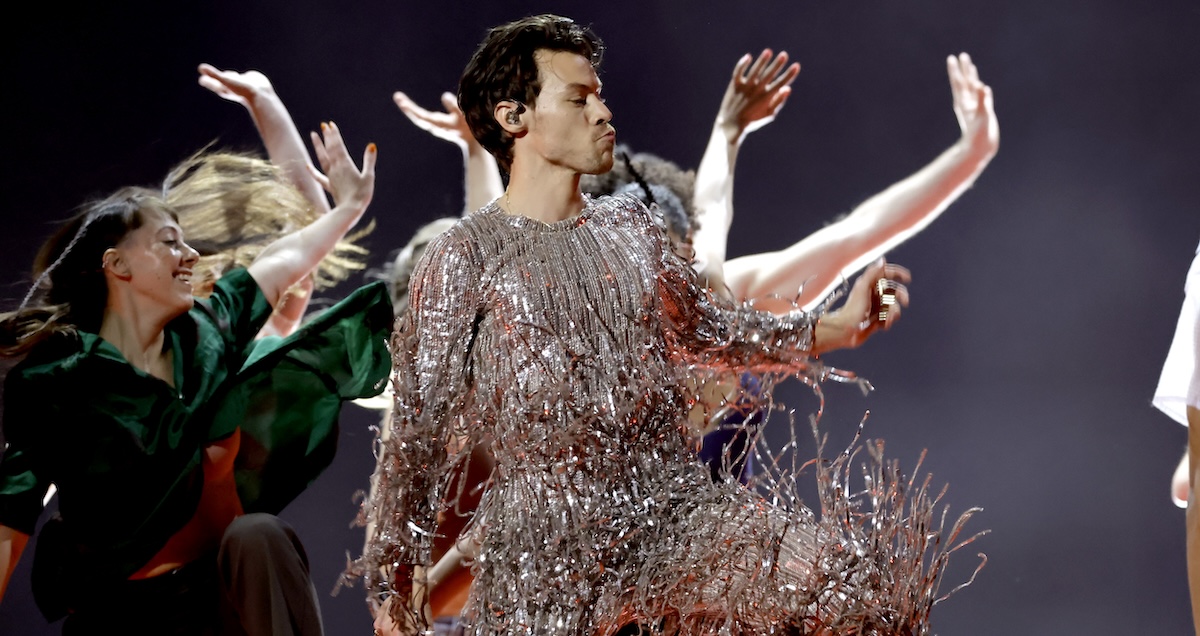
(739, 69)
(217, 81)
(768, 72)
(786, 78)
(341, 177)
(449, 125)
(322, 153)
(370, 155)
(773, 69)
(450, 103)
(969, 69)
(410, 108)
(757, 68)
(235, 86)
(974, 105)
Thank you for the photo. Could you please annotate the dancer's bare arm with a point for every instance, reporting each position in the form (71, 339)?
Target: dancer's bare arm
(290, 258)
(283, 142)
(756, 92)
(821, 261)
(285, 148)
(482, 176)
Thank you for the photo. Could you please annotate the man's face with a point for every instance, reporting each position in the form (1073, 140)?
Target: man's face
(568, 126)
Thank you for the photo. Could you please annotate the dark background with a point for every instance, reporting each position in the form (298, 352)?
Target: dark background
(1043, 302)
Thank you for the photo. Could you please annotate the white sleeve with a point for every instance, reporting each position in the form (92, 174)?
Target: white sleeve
(1179, 385)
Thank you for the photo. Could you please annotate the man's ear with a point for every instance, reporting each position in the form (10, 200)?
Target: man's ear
(112, 262)
(510, 115)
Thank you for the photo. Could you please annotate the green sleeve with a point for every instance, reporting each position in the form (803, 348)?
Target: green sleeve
(238, 306)
(290, 393)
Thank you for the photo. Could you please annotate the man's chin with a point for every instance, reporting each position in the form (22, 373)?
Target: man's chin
(603, 165)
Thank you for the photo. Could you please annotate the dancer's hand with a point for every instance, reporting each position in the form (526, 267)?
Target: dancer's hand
(348, 185)
(755, 94)
(874, 303)
(386, 625)
(450, 125)
(242, 88)
(973, 106)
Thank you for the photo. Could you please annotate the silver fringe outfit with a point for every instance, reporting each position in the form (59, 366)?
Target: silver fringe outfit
(566, 348)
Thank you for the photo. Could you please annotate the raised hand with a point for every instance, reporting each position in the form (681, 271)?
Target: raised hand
(481, 175)
(973, 106)
(416, 619)
(450, 125)
(293, 256)
(242, 88)
(284, 144)
(348, 185)
(874, 302)
(756, 93)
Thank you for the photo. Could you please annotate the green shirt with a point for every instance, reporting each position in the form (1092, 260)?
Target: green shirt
(125, 448)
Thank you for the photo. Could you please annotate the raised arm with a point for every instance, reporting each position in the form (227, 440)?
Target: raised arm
(716, 333)
(283, 142)
(290, 258)
(755, 94)
(820, 262)
(285, 148)
(482, 176)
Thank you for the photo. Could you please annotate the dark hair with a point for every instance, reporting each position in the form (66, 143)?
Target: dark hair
(69, 291)
(504, 68)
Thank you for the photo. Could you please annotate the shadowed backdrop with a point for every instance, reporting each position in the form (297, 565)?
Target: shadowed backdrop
(1043, 301)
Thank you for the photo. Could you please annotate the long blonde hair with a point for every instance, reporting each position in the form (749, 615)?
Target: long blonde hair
(233, 205)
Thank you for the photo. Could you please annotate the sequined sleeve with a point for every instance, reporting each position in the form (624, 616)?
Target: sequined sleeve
(432, 387)
(711, 332)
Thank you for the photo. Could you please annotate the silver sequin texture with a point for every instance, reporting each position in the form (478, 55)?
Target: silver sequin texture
(565, 347)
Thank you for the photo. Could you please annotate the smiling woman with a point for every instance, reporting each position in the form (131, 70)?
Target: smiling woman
(183, 436)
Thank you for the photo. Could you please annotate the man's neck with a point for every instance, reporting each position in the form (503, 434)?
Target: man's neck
(547, 195)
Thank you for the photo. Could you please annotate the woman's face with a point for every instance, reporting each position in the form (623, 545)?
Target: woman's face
(157, 263)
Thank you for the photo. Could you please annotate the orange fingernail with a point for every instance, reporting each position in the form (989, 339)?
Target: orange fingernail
(324, 126)
(371, 147)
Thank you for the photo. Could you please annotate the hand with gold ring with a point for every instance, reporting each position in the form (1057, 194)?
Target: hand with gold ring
(884, 299)
(875, 301)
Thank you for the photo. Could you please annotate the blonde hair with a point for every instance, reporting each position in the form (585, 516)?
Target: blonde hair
(231, 206)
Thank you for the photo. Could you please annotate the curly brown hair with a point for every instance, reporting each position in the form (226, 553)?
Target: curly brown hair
(504, 68)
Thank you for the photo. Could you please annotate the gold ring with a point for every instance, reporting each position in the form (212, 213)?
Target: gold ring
(885, 298)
